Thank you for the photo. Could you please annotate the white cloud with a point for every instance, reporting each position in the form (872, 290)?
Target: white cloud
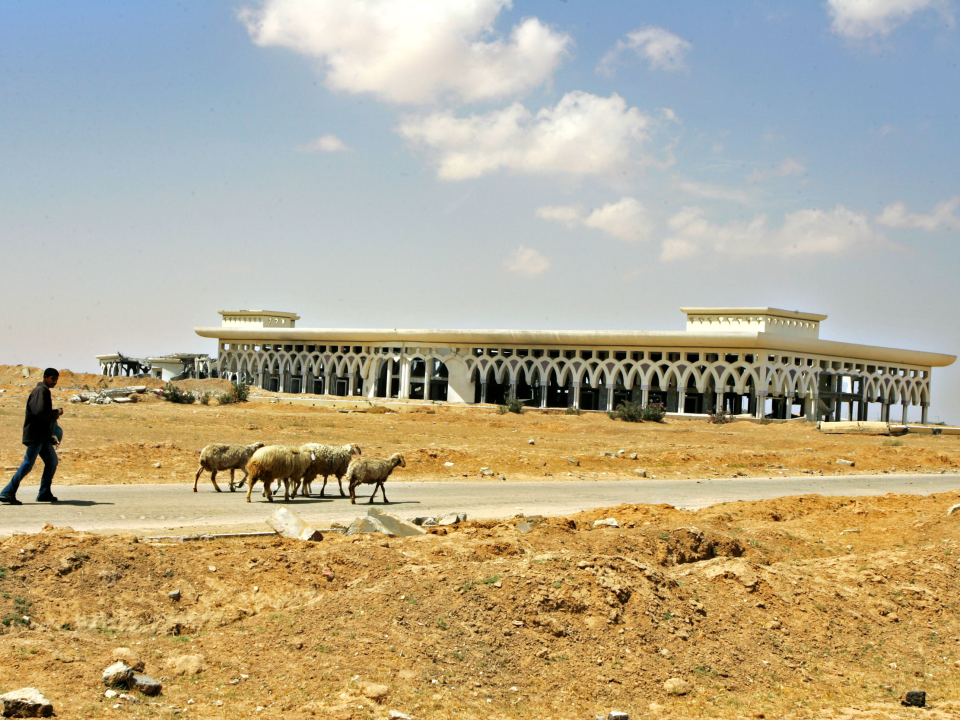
(896, 215)
(582, 135)
(412, 51)
(862, 19)
(804, 232)
(787, 168)
(325, 143)
(713, 192)
(526, 261)
(659, 47)
(625, 220)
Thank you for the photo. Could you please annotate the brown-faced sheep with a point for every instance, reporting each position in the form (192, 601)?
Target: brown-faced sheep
(327, 460)
(276, 462)
(218, 456)
(372, 471)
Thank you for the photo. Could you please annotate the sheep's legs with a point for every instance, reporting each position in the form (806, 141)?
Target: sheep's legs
(253, 481)
(325, 486)
(231, 480)
(266, 490)
(340, 483)
(243, 480)
(213, 479)
(353, 494)
(374, 493)
(197, 478)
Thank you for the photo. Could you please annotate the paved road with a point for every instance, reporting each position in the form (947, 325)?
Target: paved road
(175, 509)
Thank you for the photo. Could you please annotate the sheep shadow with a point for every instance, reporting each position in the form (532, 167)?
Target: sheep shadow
(78, 503)
(366, 499)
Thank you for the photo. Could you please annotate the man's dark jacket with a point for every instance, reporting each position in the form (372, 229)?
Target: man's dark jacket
(40, 416)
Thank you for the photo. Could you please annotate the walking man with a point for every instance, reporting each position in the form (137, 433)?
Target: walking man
(38, 429)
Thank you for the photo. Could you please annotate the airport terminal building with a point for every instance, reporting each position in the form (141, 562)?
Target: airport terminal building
(761, 361)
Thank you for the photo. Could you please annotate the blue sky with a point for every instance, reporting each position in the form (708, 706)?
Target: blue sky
(478, 163)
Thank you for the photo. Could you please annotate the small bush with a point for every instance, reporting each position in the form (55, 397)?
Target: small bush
(654, 412)
(174, 394)
(720, 417)
(628, 412)
(205, 398)
(515, 405)
(237, 394)
(501, 409)
(572, 411)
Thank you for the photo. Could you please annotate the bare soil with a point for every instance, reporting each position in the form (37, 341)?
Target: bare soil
(124, 443)
(804, 607)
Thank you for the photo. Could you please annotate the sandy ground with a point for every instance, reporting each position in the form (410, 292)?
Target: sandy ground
(806, 607)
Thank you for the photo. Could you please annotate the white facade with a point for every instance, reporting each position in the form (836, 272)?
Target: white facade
(761, 361)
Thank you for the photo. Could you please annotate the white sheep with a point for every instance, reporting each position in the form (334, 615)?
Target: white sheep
(372, 471)
(327, 460)
(219, 456)
(277, 462)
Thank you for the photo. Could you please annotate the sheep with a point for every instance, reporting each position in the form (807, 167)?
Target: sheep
(277, 462)
(327, 460)
(218, 456)
(372, 471)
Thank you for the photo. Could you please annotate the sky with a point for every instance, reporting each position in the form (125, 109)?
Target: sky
(540, 164)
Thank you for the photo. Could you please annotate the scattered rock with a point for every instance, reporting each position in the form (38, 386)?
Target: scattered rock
(677, 686)
(531, 441)
(26, 702)
(953, 509)
(915, 698)
(125, 654)
(634, 456)
(618, 715)
(375, 692)
(395, 524)
(848, 463)
(368, 524)
(607, 522)
(186, 665)
(290, 525)
(146, 684)
(773, 625)
(640, 473)
(448, 464)
(452, 518)
(503, 478)
(110, 694)
(487, 472)
(118, 675)
(157, 465)
(397, 715)
(573, 461)
(174, 595)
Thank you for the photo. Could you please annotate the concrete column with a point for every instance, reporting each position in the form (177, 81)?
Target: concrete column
(260, 379)
(761, 401)
(906, 406)
(681, 401)
(283, 381)
(483, 389)
(426, 378)
(351, 383)
(811, 409)
(544, 386)
(644, 394)
(885, 412)
(326, 384)
(307, 382)
(404, 393)
(718, 401)
(576, 395)
(512, 391)
(924, 407)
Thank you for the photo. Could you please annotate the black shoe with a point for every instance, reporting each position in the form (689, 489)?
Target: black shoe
(48, 498)
(10, 501)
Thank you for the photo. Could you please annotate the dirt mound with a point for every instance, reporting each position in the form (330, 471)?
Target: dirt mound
(69, 380)
(211, 385)
(766, 609)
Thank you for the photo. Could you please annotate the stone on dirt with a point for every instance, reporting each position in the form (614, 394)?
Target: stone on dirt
(915, 698)
(573, 461)
(26, 702)
(618, 715)
(606, 522)
(368, 524)
(146, 684)
(374, 691)
(953, 509)
(848, 463)
(397, 715)
(118, 675)
(395, 524)
(125, 654)
(677, 686)
(174, 595)
(290, 525)
(640, 473)
(186, 665)
(452, 518)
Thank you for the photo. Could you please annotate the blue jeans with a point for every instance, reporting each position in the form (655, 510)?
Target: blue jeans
(49, 456)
